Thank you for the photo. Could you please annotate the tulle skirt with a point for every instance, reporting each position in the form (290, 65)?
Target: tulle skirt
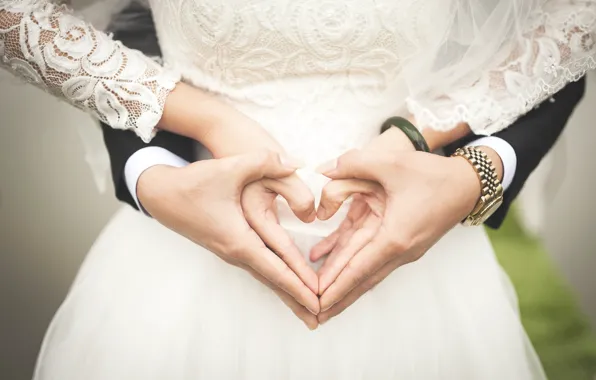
(149, 305)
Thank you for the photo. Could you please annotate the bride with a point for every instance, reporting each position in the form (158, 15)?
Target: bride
(309, 83)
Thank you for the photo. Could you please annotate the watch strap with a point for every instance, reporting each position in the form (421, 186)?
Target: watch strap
(491, 188)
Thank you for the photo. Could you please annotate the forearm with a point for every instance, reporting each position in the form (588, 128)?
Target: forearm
(219, 127)
(495, 158)
(438, 139)
(190, 112)
(394, 140)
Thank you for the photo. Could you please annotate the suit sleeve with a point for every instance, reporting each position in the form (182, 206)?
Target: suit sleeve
(135, 28)
(532, 136)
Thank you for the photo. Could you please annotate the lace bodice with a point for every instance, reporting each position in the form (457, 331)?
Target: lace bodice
(237, 47)
(327, 63)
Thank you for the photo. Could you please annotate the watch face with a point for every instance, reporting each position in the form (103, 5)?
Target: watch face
(489, 209)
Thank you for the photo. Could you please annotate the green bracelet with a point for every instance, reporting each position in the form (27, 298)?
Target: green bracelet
(409, 129)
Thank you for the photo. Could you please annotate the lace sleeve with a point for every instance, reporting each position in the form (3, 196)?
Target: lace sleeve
(557, 48)
(54, 50)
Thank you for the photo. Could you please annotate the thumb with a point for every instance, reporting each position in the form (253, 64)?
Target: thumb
(354, 164)
(254, 166)
(336, 192)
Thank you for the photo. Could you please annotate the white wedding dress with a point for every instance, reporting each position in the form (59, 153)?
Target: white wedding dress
(321, 76)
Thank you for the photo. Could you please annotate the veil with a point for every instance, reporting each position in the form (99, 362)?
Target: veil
(483, 45)
(476, 32)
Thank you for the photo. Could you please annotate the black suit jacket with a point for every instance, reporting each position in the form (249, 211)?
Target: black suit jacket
(532, 136)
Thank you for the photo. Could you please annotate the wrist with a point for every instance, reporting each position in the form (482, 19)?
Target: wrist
(392, 140)
(466, 184)
(496, 160)
(150, 184)
(187, 112)
(220, 128)
(439, 139)
(488, 192)
(191, 112)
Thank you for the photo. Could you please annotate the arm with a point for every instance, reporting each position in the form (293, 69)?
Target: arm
(519, 147)
(129, 156)
(68, 58)
(531, 138)
(557, 48)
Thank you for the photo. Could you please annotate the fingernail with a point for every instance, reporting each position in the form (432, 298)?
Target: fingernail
(327, 167)
(291, 162)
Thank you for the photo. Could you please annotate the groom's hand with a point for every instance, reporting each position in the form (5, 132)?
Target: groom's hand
(259, 206)
(410, 200)
(202, 203)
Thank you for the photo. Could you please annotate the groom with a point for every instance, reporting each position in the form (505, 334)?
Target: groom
(520, 147)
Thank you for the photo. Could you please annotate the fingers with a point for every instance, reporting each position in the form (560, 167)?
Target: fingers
(336, 192)
(338, 260)
(358, 211)
(275, 237)
(267, 264)
(361, 267)
(253, 166)
(325, 246)
(297, 194)
(309, 319)
(357, 164)
(358, 292)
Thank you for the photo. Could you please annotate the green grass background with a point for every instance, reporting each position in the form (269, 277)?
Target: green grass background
(559, 331)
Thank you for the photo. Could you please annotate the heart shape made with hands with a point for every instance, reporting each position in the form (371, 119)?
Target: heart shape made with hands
(349, 214)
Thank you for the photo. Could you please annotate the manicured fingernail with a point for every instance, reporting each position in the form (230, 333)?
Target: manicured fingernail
(327, 167)
(291, 162)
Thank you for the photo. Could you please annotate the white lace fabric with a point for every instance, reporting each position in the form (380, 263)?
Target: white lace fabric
(251, 50)
(54, 50)
(558, 46)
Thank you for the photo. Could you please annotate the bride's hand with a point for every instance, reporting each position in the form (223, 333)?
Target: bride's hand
(406, 201)
(202, 202)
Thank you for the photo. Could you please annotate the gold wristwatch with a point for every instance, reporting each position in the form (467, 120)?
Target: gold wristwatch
(492, 190)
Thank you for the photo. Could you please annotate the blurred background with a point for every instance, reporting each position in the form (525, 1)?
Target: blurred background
(51, 211)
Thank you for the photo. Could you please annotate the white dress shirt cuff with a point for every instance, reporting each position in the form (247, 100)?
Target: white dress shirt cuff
(142, 160)
(505, 151)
